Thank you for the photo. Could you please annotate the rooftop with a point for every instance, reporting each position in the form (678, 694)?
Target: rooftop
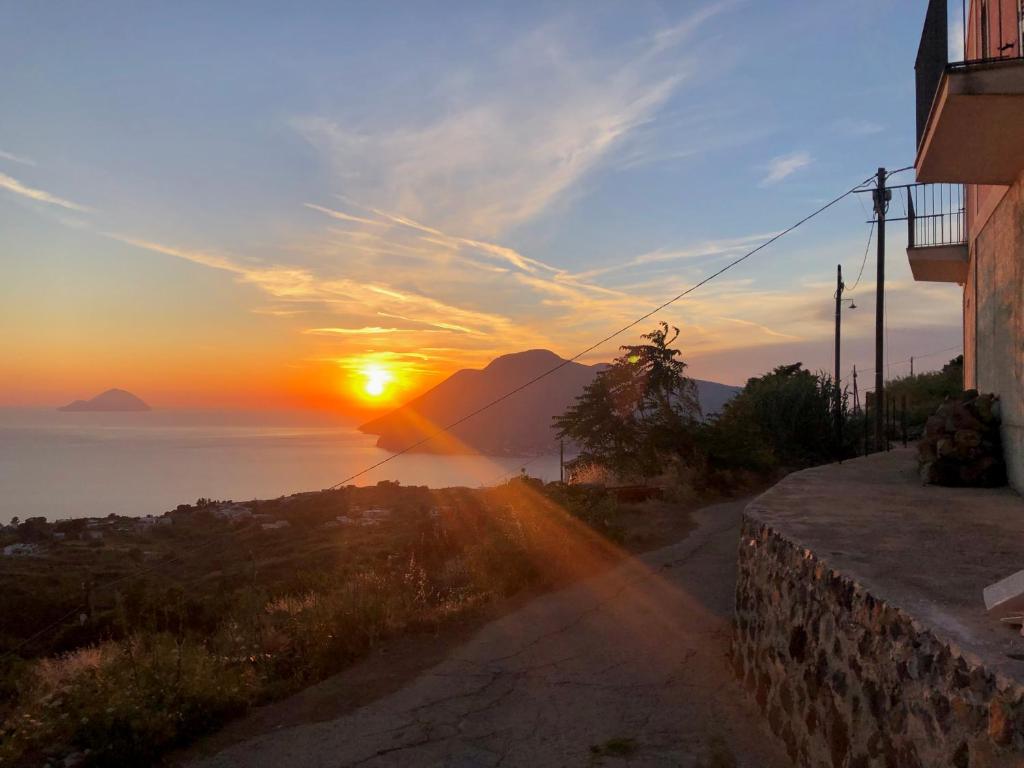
(927, 550)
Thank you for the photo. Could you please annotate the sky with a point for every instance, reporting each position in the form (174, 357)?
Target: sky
(213, 208)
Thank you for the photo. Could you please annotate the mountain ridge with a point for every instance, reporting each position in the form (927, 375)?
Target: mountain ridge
(520, 425)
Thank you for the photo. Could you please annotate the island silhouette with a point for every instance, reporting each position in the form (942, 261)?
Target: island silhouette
(111, 400)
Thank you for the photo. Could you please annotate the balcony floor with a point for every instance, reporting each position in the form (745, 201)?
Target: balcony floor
(939, 263)
(973, 134)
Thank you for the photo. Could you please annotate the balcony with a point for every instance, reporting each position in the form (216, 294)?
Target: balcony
(970, 106)
(937, 233)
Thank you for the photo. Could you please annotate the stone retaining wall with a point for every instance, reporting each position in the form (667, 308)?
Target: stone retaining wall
(848, 680)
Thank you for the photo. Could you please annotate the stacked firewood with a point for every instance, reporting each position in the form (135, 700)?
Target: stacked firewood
(961, 444)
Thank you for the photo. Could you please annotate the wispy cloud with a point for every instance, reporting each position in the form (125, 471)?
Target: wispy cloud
(370, 330)
(296, 284)
(709, 248)
(496, 158)
(784, 166)
(13, 185)
(21, 159)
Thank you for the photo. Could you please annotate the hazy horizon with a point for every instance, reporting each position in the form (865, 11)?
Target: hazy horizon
(336, 207)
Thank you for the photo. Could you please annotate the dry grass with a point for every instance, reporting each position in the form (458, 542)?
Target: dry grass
(128, 701)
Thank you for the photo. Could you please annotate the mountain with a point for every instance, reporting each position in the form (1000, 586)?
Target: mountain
(111, 400)
(520, 425)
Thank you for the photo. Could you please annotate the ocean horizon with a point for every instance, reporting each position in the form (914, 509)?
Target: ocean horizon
(62, 465)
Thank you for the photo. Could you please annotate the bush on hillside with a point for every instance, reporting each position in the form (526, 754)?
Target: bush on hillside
(783, 419)
(925, 392)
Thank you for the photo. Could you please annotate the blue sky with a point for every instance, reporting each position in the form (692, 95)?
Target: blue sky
(309, 187)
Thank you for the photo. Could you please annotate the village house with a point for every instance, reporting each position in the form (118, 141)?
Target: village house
(275, 525)
(20, 549)
(378, 514)
(150, 521)
(967, 226)
(232, 511)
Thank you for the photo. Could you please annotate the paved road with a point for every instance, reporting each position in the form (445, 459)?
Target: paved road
(628, 668)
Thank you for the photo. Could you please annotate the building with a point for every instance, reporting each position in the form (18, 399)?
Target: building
(231, 511)
(274, 526)
(19, 549)
(966, 218)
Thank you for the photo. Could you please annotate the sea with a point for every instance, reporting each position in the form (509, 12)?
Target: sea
(62, 465)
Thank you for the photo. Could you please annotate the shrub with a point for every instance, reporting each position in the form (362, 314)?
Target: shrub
(785, 418)
(925, 392)
(123, 702)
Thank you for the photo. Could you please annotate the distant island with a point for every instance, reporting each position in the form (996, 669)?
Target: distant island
(111, 400)
(519, 426)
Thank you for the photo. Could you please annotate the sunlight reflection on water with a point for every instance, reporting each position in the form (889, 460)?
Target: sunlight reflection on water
(87, 464)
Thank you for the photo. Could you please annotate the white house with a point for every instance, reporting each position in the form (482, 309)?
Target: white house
(20, 548)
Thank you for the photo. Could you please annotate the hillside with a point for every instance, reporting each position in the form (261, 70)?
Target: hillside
(520, 425)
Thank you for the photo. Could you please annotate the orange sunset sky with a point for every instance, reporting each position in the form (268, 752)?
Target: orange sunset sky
(354, 199)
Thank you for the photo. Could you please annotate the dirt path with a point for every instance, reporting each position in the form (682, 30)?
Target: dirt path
(626, 668)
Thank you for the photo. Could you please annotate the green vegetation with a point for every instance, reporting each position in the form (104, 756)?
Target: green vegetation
(925, 392)
(123, 638)
(187, 620)
(637, 411)
(640, 419)
(783, 419)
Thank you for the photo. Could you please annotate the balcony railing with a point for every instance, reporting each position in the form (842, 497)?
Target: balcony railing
(935, 215)
(989, 31)
(937, 232)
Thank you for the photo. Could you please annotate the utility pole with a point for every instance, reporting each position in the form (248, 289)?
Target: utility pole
(856, 397)
(561, 461)
(911, 366)
(839, 306)
(881, 196)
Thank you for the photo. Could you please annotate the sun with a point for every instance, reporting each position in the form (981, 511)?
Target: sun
(376, 381)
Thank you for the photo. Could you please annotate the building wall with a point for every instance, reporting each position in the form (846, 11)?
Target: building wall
(847, 680)
(1002, 34)
(970, 333)
(994, 317)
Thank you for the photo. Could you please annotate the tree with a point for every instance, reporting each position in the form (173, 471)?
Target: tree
(638, 411)
(785, 418)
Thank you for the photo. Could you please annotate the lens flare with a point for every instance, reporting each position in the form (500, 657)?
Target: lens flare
(376, 381)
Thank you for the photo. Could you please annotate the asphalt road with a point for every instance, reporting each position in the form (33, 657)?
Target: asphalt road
(628, 668)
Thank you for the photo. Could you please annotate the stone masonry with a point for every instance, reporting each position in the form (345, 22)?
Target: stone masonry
(847, 679)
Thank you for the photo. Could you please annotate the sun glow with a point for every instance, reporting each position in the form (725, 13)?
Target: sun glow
(376, 381)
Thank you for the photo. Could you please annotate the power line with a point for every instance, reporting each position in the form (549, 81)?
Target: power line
(606, 339)
(956, 347)
(899, 170)
(867, 247)
(35, 636)
(486, 406)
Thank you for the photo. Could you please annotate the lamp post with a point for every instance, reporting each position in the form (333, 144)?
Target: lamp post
(840, 286)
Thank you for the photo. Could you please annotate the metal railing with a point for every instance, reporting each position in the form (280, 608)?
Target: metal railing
(935, 215)
(990, 31)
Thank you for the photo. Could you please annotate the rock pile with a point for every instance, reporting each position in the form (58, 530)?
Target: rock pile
(961, 444)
